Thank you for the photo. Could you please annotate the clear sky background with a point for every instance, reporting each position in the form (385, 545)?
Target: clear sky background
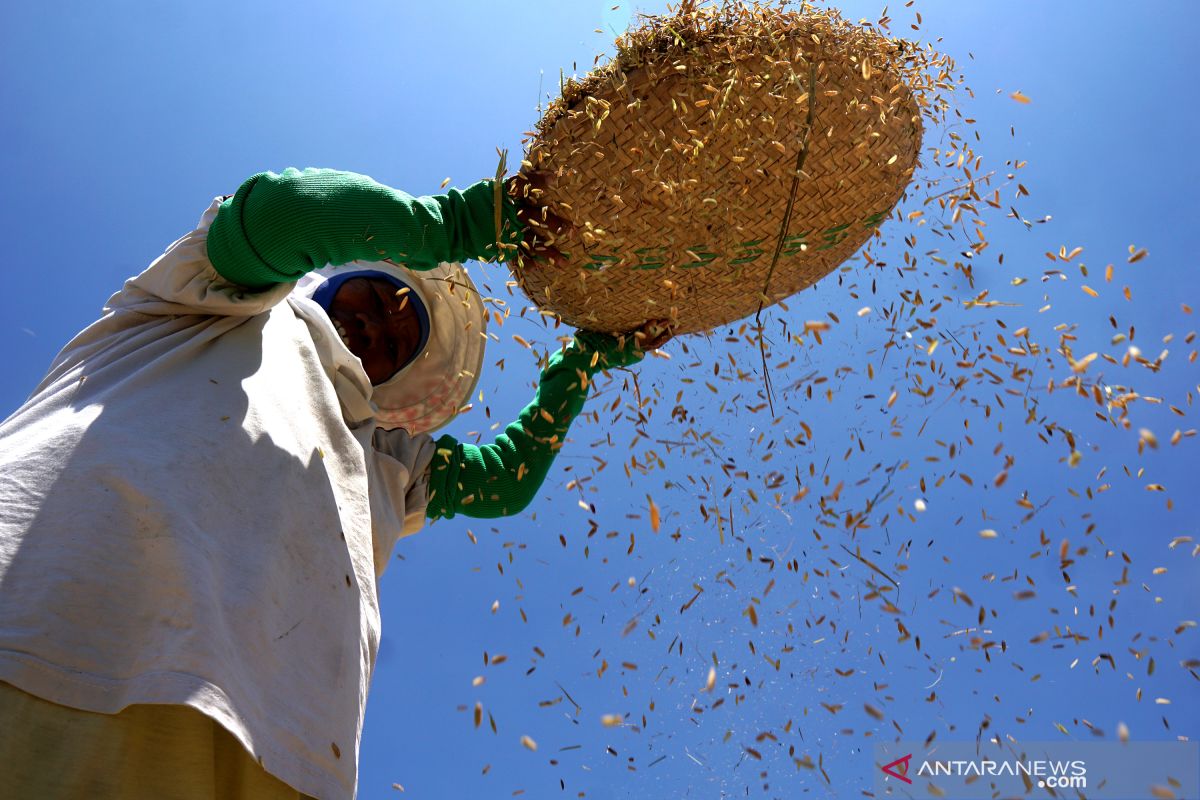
(122, 120)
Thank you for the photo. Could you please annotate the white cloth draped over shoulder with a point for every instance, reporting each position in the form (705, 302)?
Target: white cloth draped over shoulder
(195, 507)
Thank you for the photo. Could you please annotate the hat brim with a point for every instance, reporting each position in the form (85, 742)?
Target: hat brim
(429, 392)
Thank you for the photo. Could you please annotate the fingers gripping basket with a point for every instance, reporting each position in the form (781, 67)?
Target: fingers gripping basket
(725, 159)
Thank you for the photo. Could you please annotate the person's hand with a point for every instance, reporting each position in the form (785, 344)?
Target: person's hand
(653, 335)
(543, 228)
(626, 349)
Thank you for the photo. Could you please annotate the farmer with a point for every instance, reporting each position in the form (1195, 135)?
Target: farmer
(200, 496)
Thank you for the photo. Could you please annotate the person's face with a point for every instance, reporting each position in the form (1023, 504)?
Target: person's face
(377, 323)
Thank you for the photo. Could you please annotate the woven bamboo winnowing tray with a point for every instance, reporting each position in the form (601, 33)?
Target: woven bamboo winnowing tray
(677, 165)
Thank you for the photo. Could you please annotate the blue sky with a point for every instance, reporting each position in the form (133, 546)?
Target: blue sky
(122, 120)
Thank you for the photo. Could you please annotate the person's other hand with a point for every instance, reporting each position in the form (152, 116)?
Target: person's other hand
(544, 229)
(626, 349)
(653, 335)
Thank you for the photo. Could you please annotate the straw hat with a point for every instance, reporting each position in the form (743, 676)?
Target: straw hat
(429, 391)
(725, 159)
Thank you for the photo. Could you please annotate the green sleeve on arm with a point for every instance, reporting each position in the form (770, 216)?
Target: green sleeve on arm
(276, 228)
(501, 479)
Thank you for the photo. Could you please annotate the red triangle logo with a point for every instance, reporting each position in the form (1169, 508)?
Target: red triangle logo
(902, 763)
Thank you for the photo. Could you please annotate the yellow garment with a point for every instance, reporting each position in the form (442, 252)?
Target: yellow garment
(146, 752)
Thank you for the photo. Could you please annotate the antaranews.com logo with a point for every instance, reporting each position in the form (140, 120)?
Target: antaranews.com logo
(968, 770)
(1043, 773)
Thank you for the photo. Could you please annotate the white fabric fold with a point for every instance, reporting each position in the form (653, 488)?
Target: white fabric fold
(195, 506)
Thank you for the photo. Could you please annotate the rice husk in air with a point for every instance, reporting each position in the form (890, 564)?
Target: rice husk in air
(726, 158)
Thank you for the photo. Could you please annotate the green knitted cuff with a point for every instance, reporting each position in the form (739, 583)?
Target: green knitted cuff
(276, 228)
(502, 478)
(229, 248)
(512, 229)
(488, 482)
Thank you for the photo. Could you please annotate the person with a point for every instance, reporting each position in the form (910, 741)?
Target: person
(198, 500)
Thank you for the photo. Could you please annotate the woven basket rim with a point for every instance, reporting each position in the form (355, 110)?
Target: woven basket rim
(574, 90)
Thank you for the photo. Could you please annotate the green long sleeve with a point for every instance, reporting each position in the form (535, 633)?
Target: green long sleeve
(502, 478)
(276, 228)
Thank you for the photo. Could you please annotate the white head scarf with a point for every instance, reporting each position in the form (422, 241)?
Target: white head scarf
(428, 392)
